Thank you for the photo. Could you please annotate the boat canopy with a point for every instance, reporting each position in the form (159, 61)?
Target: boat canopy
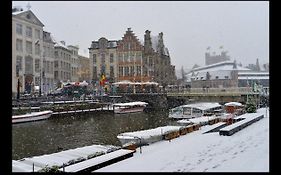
(135, 83)
(136, 103)
(202, 106)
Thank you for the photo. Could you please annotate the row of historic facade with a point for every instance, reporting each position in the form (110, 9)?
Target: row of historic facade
(38, 60)
(131, 59)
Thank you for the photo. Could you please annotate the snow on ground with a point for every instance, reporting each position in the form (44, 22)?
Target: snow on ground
(245, 151)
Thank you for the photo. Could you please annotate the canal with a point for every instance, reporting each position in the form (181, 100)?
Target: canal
(62, 133)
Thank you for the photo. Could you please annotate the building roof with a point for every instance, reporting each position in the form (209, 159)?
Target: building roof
(225, 65)
(110, 44)
(20, 13)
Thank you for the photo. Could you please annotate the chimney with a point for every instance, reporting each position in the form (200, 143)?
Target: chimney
(63, 42)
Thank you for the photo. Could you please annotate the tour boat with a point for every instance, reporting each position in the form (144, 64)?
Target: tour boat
(130, 107)
(33, 116)
(195, 110)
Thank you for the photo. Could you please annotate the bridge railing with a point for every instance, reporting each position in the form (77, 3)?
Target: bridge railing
(212, 90)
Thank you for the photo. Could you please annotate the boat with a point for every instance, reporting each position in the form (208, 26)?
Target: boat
(145, 137)
(33, 116)
(130, 107)
(195, 110)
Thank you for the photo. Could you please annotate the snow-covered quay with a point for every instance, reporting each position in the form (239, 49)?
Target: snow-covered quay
(245, 151)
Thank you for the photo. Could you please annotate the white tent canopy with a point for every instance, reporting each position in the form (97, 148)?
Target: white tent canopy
(135, 83)
(233, 104)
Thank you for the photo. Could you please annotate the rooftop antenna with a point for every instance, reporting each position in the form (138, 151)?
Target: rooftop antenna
(28, 6)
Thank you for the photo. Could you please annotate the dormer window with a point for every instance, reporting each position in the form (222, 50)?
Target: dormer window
(28, 16)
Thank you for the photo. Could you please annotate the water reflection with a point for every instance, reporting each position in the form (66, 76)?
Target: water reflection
(62, 133)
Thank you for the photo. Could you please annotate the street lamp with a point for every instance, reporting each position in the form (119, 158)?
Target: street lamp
(18, 84)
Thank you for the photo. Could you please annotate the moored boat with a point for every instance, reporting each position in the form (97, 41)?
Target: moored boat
(195, 110)
(144, 137)
(33, 116)
(130, 107)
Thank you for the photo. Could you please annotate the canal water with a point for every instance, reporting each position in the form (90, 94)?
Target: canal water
(62, 133)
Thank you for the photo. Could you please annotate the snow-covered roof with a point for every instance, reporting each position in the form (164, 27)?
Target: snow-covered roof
(225, 65)
(222, 74)
(83, 53)
(59, 44)
(203, 105)
(19, 12)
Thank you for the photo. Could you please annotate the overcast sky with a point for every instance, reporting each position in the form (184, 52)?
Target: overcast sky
(242, 28)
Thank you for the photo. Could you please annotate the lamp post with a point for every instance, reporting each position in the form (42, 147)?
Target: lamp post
(18, 83)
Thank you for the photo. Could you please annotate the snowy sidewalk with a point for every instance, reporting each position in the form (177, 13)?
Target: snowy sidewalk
(245, 151)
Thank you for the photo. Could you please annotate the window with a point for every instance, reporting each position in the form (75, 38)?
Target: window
(120, 71)
(103, 68)
(37, 81)
(120, 57)
(19, 45)
(37, 65)
(51, 67)
(94, 72)
(217, 77)
(37, 34)
(28, 32)
(111, 58)
(226, 77)
(28, 46)
(138, 70)
(102, 58)
(28, 65)
(145, 71)
(126, 57)
(132, 71)
(56, 64)
(94, 58)
(111, 71)
(19, 29)
(19, 62)
(126, 71)
(37, 49)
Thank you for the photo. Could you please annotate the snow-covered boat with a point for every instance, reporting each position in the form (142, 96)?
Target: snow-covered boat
(147, 136)
(33, 116)
(130, 107)
(195, 110)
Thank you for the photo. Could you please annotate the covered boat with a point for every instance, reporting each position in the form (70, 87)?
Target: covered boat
(130, 107)
(33, 116)
(147, 136)
(195, 110)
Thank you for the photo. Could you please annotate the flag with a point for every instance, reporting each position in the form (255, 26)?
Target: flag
(208, 48)
(102, 80)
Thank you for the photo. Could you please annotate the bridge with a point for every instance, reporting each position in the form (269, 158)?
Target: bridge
(176, 97)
